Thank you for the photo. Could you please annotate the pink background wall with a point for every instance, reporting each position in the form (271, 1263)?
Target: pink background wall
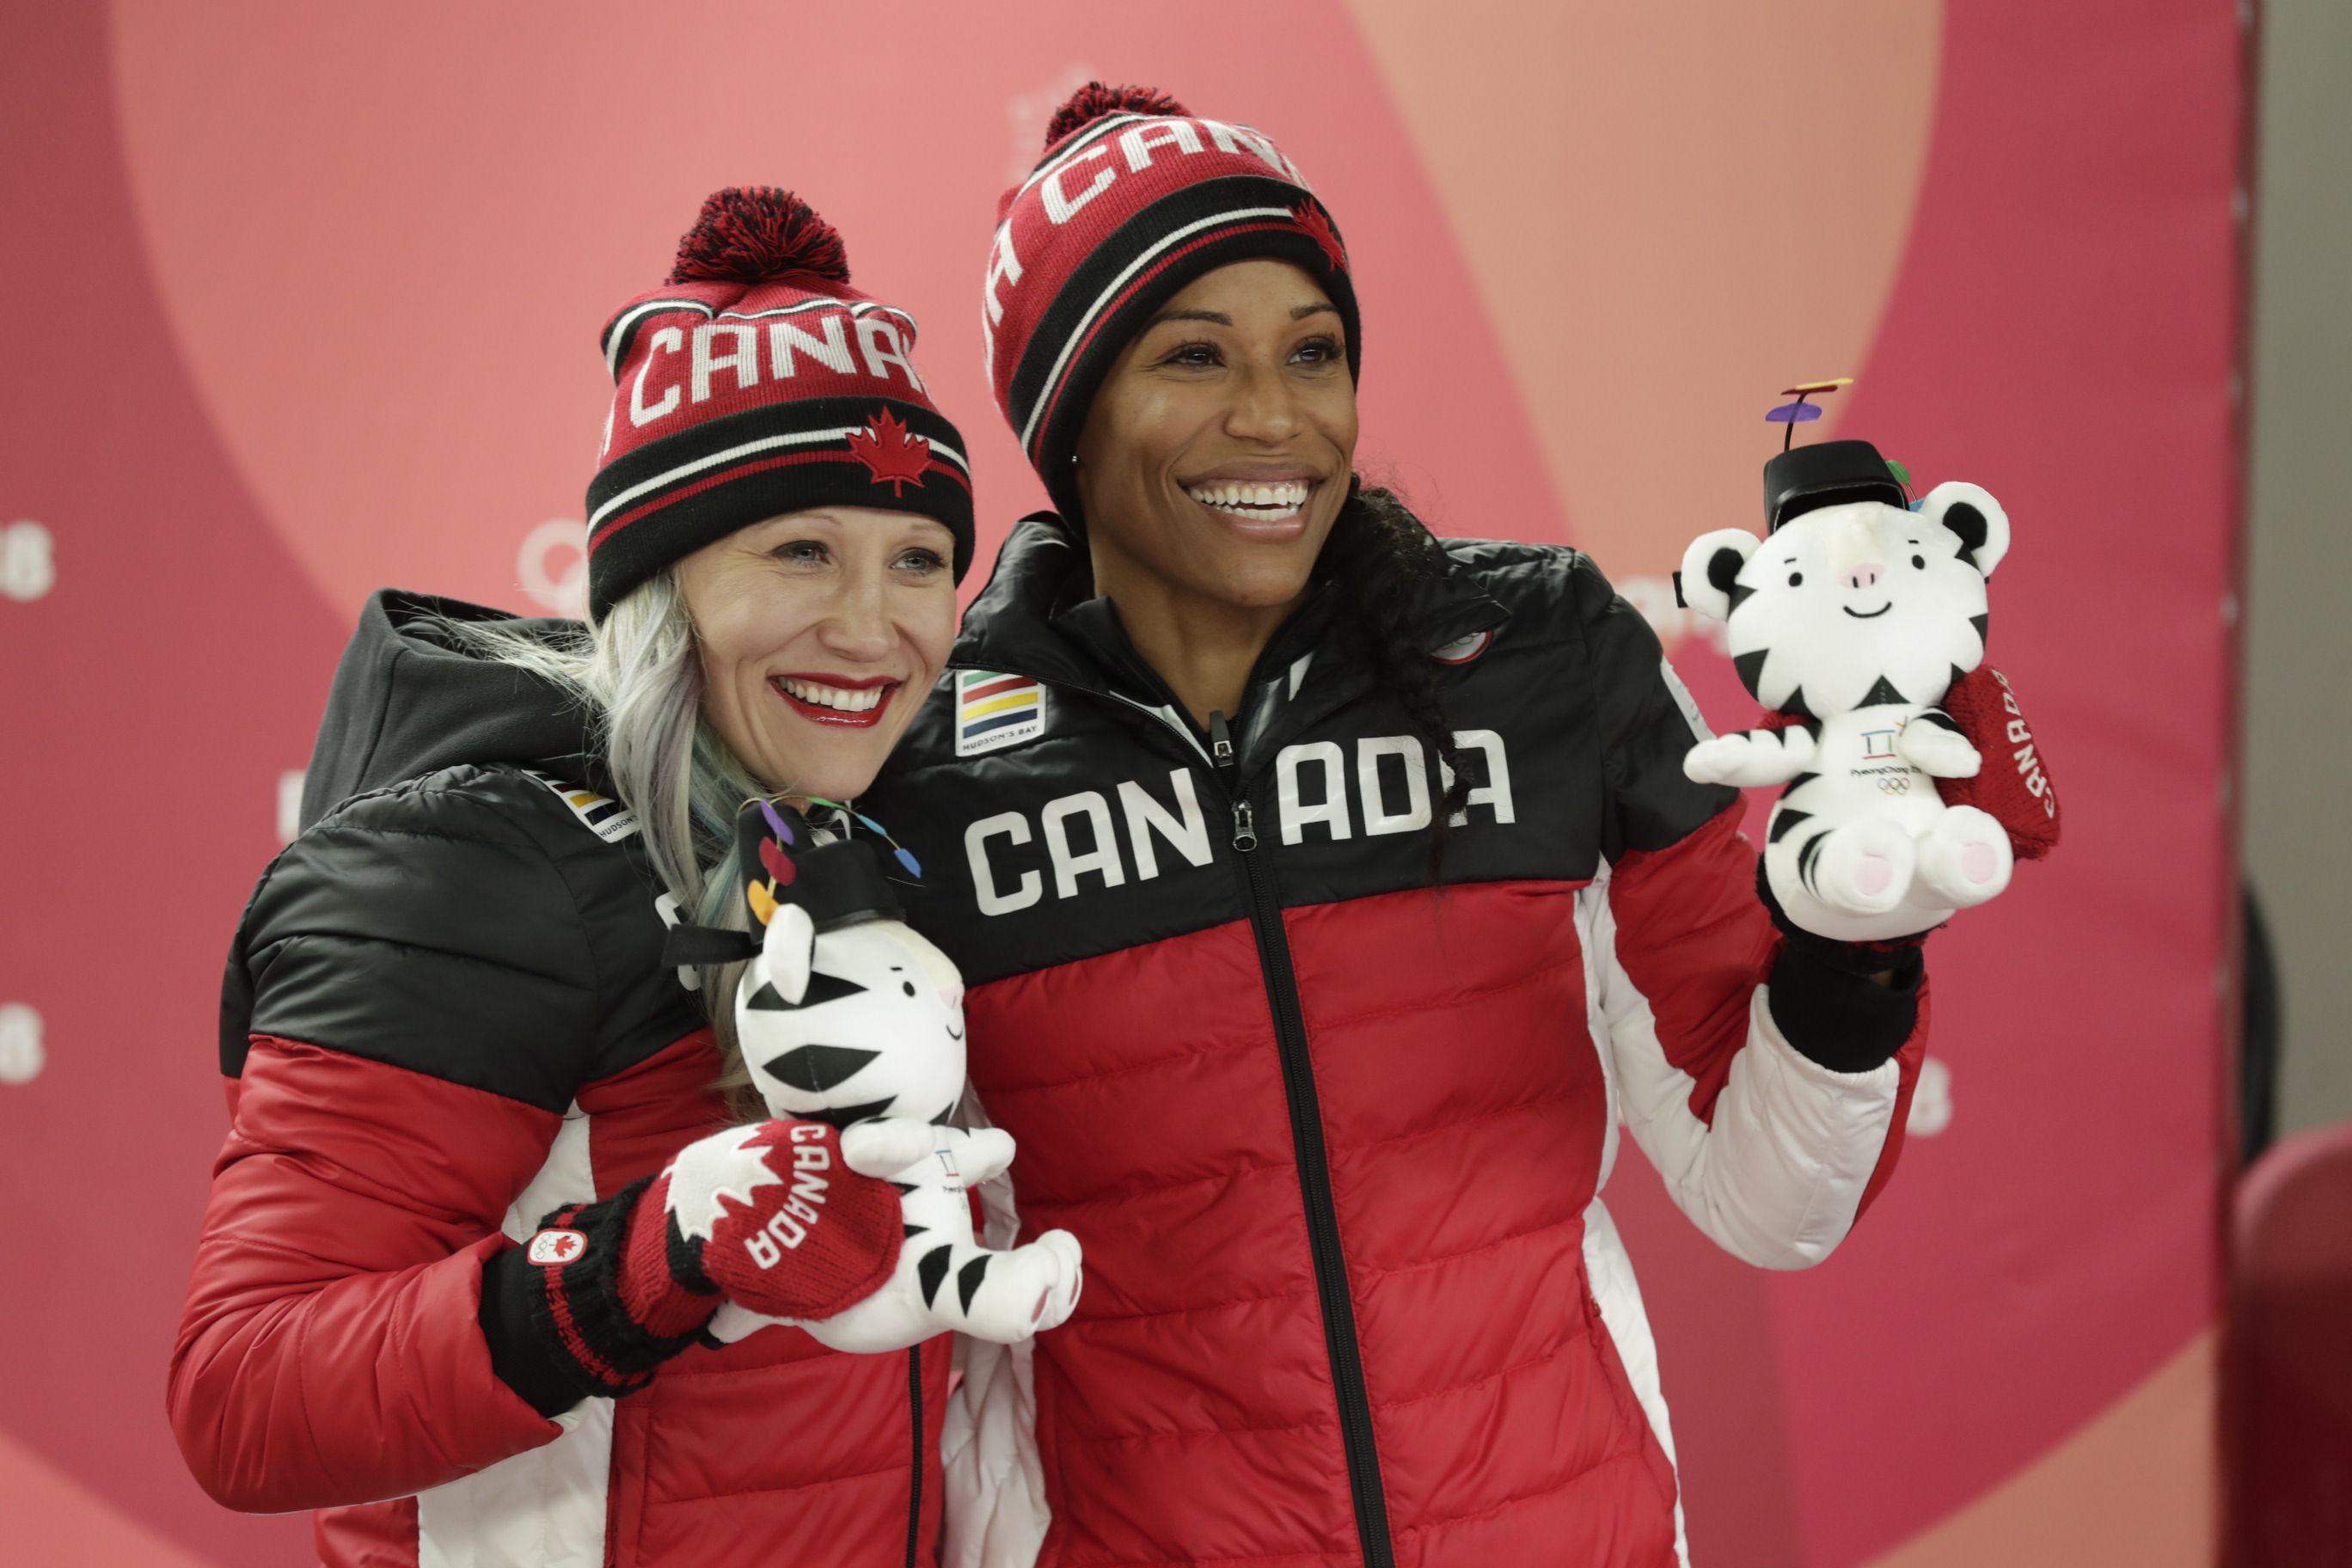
(304, 302)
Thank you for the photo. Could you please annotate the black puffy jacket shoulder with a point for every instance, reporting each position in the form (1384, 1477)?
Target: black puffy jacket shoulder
(488, 925)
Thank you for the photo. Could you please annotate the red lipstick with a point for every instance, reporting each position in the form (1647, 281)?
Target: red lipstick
(884, 686)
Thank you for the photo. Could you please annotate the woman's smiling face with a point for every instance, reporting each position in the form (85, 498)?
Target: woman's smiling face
(820, 632)
(1215, 456)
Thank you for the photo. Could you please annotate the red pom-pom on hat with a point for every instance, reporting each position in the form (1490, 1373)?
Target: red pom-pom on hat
(1095, 99)
(749, 233)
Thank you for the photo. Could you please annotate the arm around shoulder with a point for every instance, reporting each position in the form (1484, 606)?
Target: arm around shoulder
(403, 1000)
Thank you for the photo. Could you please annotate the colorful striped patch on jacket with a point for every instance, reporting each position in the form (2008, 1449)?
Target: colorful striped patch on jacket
(996, 711)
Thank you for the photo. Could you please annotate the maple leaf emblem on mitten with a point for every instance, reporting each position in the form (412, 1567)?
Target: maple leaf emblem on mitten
(1311, 218)
(892, 454)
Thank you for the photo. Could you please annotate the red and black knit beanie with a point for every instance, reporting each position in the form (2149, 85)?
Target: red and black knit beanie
(1136, 198)
(756, 382)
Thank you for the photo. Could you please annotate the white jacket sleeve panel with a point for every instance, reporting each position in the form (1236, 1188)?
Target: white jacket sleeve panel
(1777, 1175)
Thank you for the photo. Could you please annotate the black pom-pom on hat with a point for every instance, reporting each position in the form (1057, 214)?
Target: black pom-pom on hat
(1095, 99)
(748, 234)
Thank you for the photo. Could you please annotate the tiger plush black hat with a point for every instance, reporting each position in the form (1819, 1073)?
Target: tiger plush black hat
(1828, 474)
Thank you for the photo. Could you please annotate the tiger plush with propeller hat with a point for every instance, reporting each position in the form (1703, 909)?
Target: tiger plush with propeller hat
(1852, 620)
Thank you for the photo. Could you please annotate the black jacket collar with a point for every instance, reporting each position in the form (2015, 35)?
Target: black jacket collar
(1034, 618)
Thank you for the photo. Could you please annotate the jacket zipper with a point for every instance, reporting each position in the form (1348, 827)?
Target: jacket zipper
(914, 1492)
(1314, 1165)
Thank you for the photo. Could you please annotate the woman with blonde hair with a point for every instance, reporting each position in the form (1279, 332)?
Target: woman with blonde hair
(482, 1197)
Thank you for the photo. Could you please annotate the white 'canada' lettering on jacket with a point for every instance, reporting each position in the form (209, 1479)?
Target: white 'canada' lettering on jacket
(1388, 790)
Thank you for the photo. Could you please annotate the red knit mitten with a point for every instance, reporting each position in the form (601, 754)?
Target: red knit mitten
(767, 1216)
(2013, 785)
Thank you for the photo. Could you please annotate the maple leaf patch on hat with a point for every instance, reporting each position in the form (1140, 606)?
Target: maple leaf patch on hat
(892, 454)
(1309, 216)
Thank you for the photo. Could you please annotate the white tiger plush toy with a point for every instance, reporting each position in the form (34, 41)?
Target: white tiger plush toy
(861, 1025)
(1853, 620)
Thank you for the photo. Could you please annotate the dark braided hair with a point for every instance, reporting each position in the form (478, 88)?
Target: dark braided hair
(1377, 550)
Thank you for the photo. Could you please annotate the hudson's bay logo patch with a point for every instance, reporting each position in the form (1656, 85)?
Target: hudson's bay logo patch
(607, 819)
(996, 711)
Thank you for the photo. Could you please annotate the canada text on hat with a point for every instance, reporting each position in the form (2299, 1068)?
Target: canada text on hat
(758, 383)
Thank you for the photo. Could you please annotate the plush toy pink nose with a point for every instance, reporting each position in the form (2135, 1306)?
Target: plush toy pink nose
(1864, 576)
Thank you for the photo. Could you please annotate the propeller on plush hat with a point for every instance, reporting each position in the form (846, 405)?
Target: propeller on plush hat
(1802, 412)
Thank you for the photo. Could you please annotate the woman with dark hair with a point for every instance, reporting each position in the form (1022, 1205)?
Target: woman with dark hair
(1330, 895)
(482, 1200)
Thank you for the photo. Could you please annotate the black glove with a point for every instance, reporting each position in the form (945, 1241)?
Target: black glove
(1824, 1000)
(769, 1215)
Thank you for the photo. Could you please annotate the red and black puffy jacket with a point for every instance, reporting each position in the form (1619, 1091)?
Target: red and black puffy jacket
(1334, 1137)
(445, 1015)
